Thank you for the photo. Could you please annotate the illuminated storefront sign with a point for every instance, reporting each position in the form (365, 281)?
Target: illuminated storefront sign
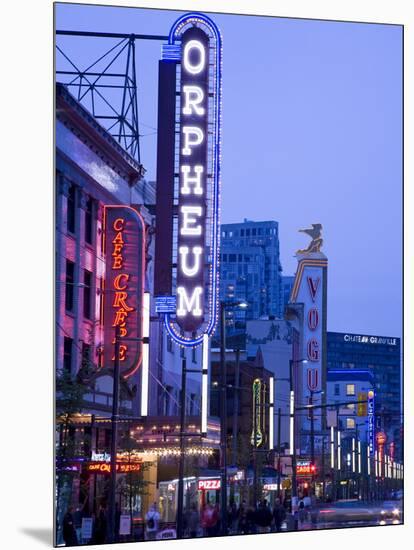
(208, 484)
(305, 467)
(105, 467)
(371, 422)
(124, 247)
(195, 44)
(270, 487)
(257, 438)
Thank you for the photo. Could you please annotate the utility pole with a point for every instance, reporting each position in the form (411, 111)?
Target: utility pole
(114, 440)
(236, 407)
(292, 420)
(279, 491)
(180, 496)
(312, 434)
(223, 420)
(254, 451)
(323, 468)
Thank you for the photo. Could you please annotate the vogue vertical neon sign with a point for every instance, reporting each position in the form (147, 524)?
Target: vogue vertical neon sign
(195, 45)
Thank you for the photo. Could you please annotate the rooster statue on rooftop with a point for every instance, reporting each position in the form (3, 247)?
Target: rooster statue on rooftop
(314, 233)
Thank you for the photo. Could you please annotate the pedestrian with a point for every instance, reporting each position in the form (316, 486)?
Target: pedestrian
(279, 515)
(302, 514)
(152, 520)
(69, 532)
(242, 513)
(210, 519)
(263, 517)
(251, 520)
(100, 526)
(233, 516)
(193, 521)
(77, 521)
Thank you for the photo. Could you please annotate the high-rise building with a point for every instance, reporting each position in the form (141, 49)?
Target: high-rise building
(250, 269)
(287, 285)
(381, 356)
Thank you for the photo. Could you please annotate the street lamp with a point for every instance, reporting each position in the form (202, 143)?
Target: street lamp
(312, 434)
(223, 408)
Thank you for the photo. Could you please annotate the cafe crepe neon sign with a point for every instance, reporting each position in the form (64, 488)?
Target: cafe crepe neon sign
(105, 467)
(197, 35)
(124, 245)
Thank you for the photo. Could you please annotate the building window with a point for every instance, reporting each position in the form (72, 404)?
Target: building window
(71, 215)
(87, 293)
(89, 221)
(350, 389)
(67, 354)
(337, 389)
(241, 232)
(350, 423)
(254, 232)
(86, 355)
(351, 407)
(69, 288)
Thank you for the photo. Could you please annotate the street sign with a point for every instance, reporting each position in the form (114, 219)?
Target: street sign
(331, 418)
(125, 525)
(165, 304)
(86, 528)
(167, 534)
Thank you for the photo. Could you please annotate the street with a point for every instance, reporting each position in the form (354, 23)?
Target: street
(352, 513)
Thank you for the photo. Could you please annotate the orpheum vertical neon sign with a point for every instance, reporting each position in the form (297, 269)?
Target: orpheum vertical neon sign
(195, 44)
(124, 246)
(192, 187)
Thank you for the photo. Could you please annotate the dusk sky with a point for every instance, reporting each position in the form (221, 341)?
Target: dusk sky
(312, 132)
